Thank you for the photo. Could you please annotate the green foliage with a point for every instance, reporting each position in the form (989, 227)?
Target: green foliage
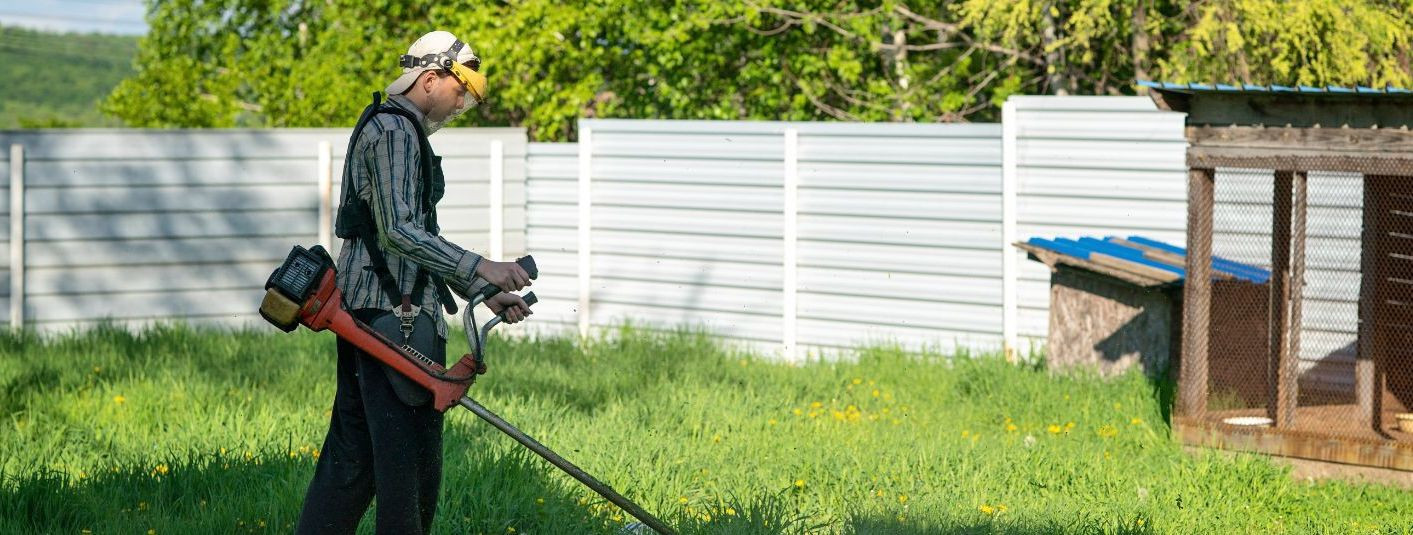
(1311, 42)
(55, 80)
(314, 63)
(172, 428)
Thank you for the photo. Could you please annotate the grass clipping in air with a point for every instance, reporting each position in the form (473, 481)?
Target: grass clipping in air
(183, 430)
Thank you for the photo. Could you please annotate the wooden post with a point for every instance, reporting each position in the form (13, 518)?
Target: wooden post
(1289, 371)
(1197, 295)
(1368, 389)
(1277, 405)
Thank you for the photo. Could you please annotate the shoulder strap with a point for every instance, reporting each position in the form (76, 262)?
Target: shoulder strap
(356, 219)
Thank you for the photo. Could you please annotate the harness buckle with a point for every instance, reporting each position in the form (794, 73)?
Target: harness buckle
(406, 315)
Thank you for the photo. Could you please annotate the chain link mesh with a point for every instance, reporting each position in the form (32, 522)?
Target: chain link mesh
(1323, 345)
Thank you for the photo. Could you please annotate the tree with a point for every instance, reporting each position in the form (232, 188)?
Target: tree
(315, 62)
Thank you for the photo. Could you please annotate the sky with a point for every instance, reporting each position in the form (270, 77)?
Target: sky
(106, 16)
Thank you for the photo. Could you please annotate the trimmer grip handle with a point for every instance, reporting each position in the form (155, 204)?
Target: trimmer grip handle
(527, 263)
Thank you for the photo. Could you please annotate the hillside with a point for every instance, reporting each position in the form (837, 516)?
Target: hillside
(59, 79)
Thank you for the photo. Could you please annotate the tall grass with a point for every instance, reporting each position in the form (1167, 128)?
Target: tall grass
(183, 430)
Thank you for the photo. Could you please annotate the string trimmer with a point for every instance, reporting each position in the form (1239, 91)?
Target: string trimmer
(303, 291)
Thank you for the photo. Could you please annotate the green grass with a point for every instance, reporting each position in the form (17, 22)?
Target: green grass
(180, 430)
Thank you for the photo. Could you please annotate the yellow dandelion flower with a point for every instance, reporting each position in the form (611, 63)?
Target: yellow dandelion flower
(1054, 429)
(617, 517)
(1000, 508)
(539, 501)
(1118, 406)
(878, 493)
(902, 499)
(120, 400)
(161, 469)
(1011, 427)
(876, 393)
(223, 451)
(987, 509)
(510, 529)
(1140, 522)
(1136, 421)
(1108, 431)
(798, 412)
(965, 433)
(716, 438)
(770, 421)
(799, 483)
(730, 511)
(682, 499)
(858, 381)
(816, 405)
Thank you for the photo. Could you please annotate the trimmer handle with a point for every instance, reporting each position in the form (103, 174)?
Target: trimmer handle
(526, 262)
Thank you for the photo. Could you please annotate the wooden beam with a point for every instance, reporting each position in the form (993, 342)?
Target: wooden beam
(1199, 156)
(1294, 443)
(1376, 140)
(1278, 407)
(1197, 295)
(1311, 109)
(1289, 372)
(1368, 388)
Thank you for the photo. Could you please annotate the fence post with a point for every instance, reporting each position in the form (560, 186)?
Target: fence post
(326, 194)
(1010, 268)
(789, 331)
(585, 168)
(497, 200)
(17, 236)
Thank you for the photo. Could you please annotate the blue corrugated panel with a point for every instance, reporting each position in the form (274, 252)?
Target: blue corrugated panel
(1195, 87)
(1085, 247)
(1236, 269)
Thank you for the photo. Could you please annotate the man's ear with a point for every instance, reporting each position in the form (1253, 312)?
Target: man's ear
(427, 80)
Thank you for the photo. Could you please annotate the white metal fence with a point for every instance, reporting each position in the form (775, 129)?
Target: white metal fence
(782, 235)
(141, 225)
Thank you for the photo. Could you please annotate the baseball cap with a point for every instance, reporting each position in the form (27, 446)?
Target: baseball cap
(433, 43)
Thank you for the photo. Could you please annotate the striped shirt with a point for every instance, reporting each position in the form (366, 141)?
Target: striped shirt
(387, 174)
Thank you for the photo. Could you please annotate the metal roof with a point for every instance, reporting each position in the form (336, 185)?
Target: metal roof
(1142, 254)
(1191, 88)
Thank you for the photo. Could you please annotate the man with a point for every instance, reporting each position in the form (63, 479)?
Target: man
(384, 437)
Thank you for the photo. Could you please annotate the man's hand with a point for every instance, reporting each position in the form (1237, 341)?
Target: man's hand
(508, 276)
(509, 306)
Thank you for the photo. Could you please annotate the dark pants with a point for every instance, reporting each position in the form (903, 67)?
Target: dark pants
(378, 445)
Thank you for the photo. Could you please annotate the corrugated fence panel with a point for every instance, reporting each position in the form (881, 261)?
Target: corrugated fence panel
(5, 232)
(147, 225)
(675, 203)
(551, 231)
(1093, 166)
(899, 235)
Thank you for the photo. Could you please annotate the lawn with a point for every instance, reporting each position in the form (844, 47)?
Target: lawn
(183, 430)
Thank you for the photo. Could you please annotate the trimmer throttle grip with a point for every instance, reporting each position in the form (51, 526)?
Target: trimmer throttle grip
(527, 263)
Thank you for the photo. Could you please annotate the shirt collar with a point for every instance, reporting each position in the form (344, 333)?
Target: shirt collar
(406, 103)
